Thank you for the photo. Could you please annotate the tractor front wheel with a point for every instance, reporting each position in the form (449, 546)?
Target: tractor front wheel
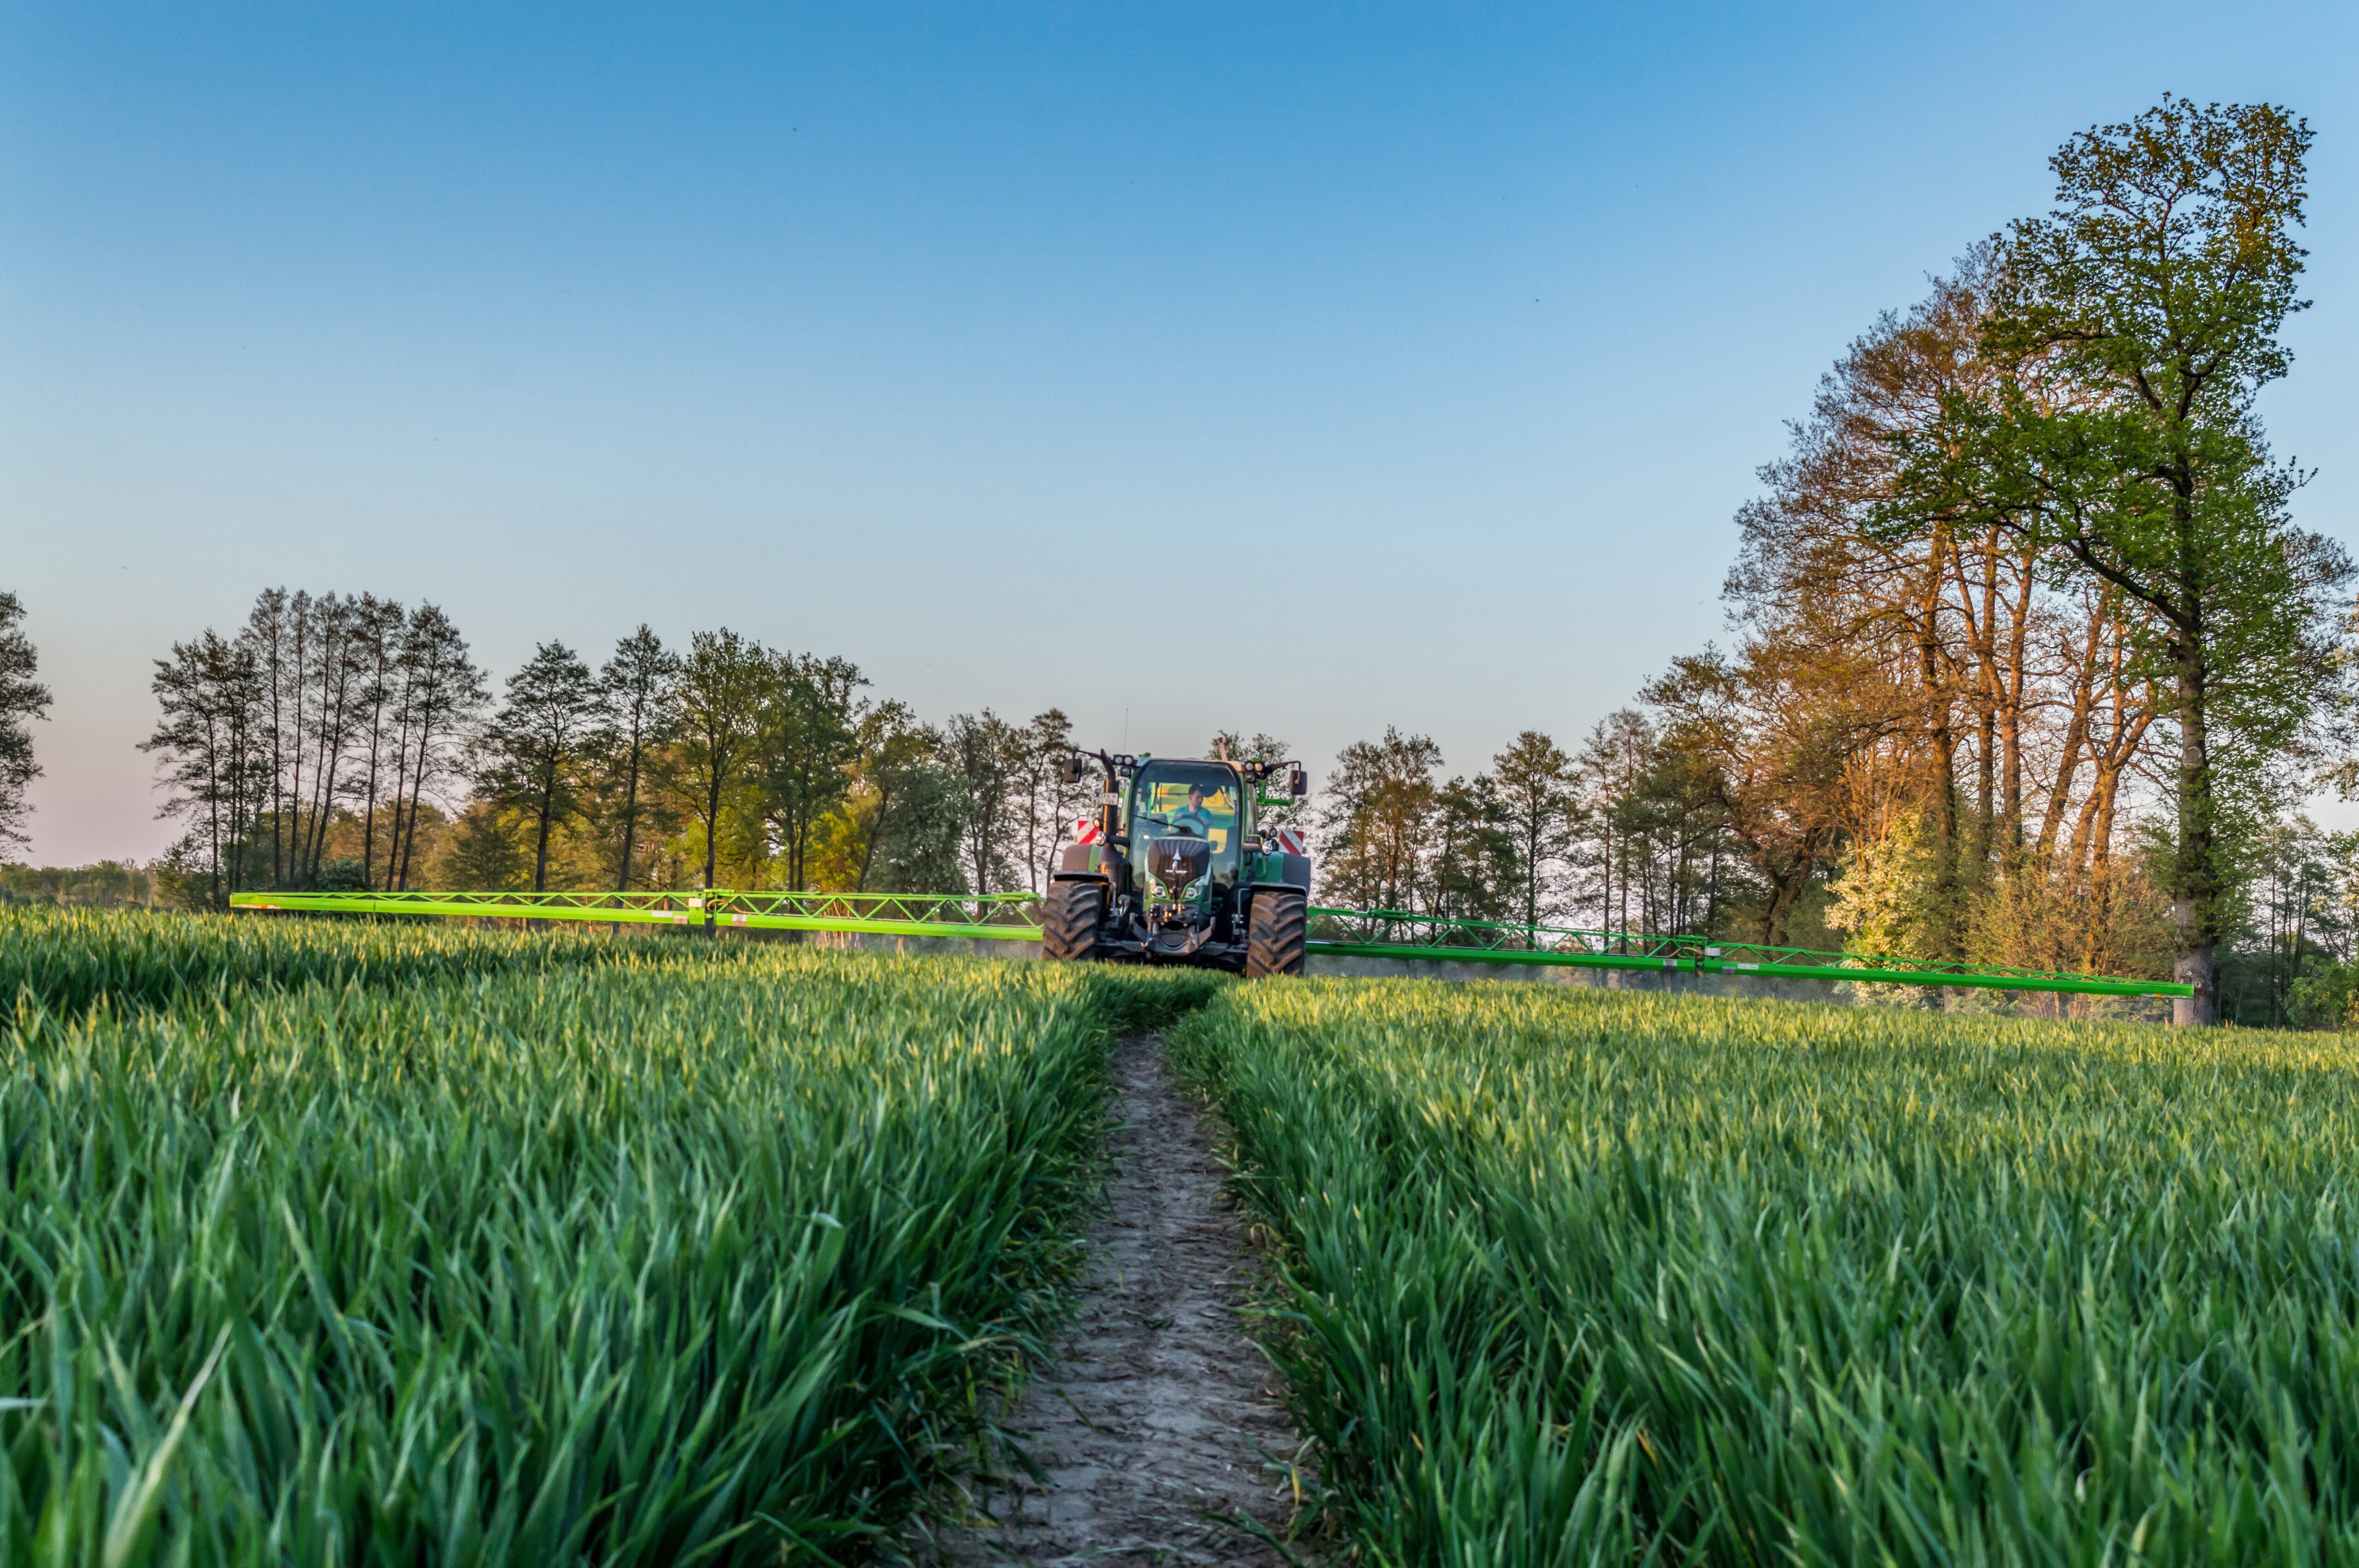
(1276, 933)
(1069, 926)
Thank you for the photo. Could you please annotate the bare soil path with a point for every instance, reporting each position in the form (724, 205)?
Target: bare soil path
(1161, 1419)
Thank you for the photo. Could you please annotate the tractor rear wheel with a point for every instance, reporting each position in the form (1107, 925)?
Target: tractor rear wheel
(1276, 933)
(1069, 926)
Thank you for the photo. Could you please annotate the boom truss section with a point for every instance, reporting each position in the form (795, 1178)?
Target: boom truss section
(1335, 933)
(1010, 917)
(1393, 933)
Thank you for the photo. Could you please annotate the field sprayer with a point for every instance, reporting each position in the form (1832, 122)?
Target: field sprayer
(1172, 868)
(1179, 862)
(1015, 920)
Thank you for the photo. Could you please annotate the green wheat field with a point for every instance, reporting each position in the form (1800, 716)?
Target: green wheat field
(334, 1242)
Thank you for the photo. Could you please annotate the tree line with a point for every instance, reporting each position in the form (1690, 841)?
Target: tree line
(22, 698)
(107, 884)
(2032, 652)
(341, 742)
(2029, 662)
(1622, 834)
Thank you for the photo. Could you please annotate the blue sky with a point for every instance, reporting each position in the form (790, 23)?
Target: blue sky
(1290, 368)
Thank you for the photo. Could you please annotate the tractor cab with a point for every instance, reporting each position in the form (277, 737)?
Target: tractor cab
(1173, 869)
(1186, 822)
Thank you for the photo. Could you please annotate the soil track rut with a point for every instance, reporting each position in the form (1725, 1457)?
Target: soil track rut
(1160, 1420)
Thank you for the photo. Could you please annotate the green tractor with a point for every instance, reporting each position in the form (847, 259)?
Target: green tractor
(1171, 868)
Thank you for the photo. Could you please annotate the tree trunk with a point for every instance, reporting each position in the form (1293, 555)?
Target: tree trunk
(1532, 895)
(712, 833)
(400, 778)
(327, 810)
(277, 810)
(712, 841)
(540, 851)
(368, 825)
(212, 807)
(2015, 679)
(417, 783)
(868, 843)
(1605, 863)
(1946, 892)
(1985, 798)
(1925, 621)
(630, 817)
(297, 741)
(2194, 892)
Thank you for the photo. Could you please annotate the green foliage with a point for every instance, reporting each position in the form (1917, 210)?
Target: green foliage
(1374, 825)
(1573, 1274)
(211, 754)
(2297, 932)
(627, 751)
(810, 737)
(683, 1255)
(2327, 997)
(1261, 746)
(1534, 793)
(65, 961)
(918, 846)
(21, 697)
(982, 758)
(1889, 897)
(487, 852)
(716, 703)
(106, 883)
(2136, 323)
(344, 874)
(532, 757)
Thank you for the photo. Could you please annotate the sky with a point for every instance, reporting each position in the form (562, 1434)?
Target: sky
(1285, 368)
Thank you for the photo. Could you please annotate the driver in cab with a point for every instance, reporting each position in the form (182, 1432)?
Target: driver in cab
(1194, 821)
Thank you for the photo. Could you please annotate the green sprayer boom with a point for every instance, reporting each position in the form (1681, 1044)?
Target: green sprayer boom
(1334, 933)
(1007, 916)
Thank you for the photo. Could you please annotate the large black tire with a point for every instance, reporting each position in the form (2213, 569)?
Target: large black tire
(1282, 919)
(1069, 926)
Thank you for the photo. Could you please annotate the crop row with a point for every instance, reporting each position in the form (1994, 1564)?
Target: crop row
(669, 1257)
(1577, 1276)
(327, 1242)
(67, 960)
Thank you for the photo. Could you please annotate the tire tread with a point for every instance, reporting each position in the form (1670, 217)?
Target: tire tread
(1276, 933)
(1069, 926)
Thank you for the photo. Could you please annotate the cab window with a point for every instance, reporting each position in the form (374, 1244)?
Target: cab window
(1191, 804)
